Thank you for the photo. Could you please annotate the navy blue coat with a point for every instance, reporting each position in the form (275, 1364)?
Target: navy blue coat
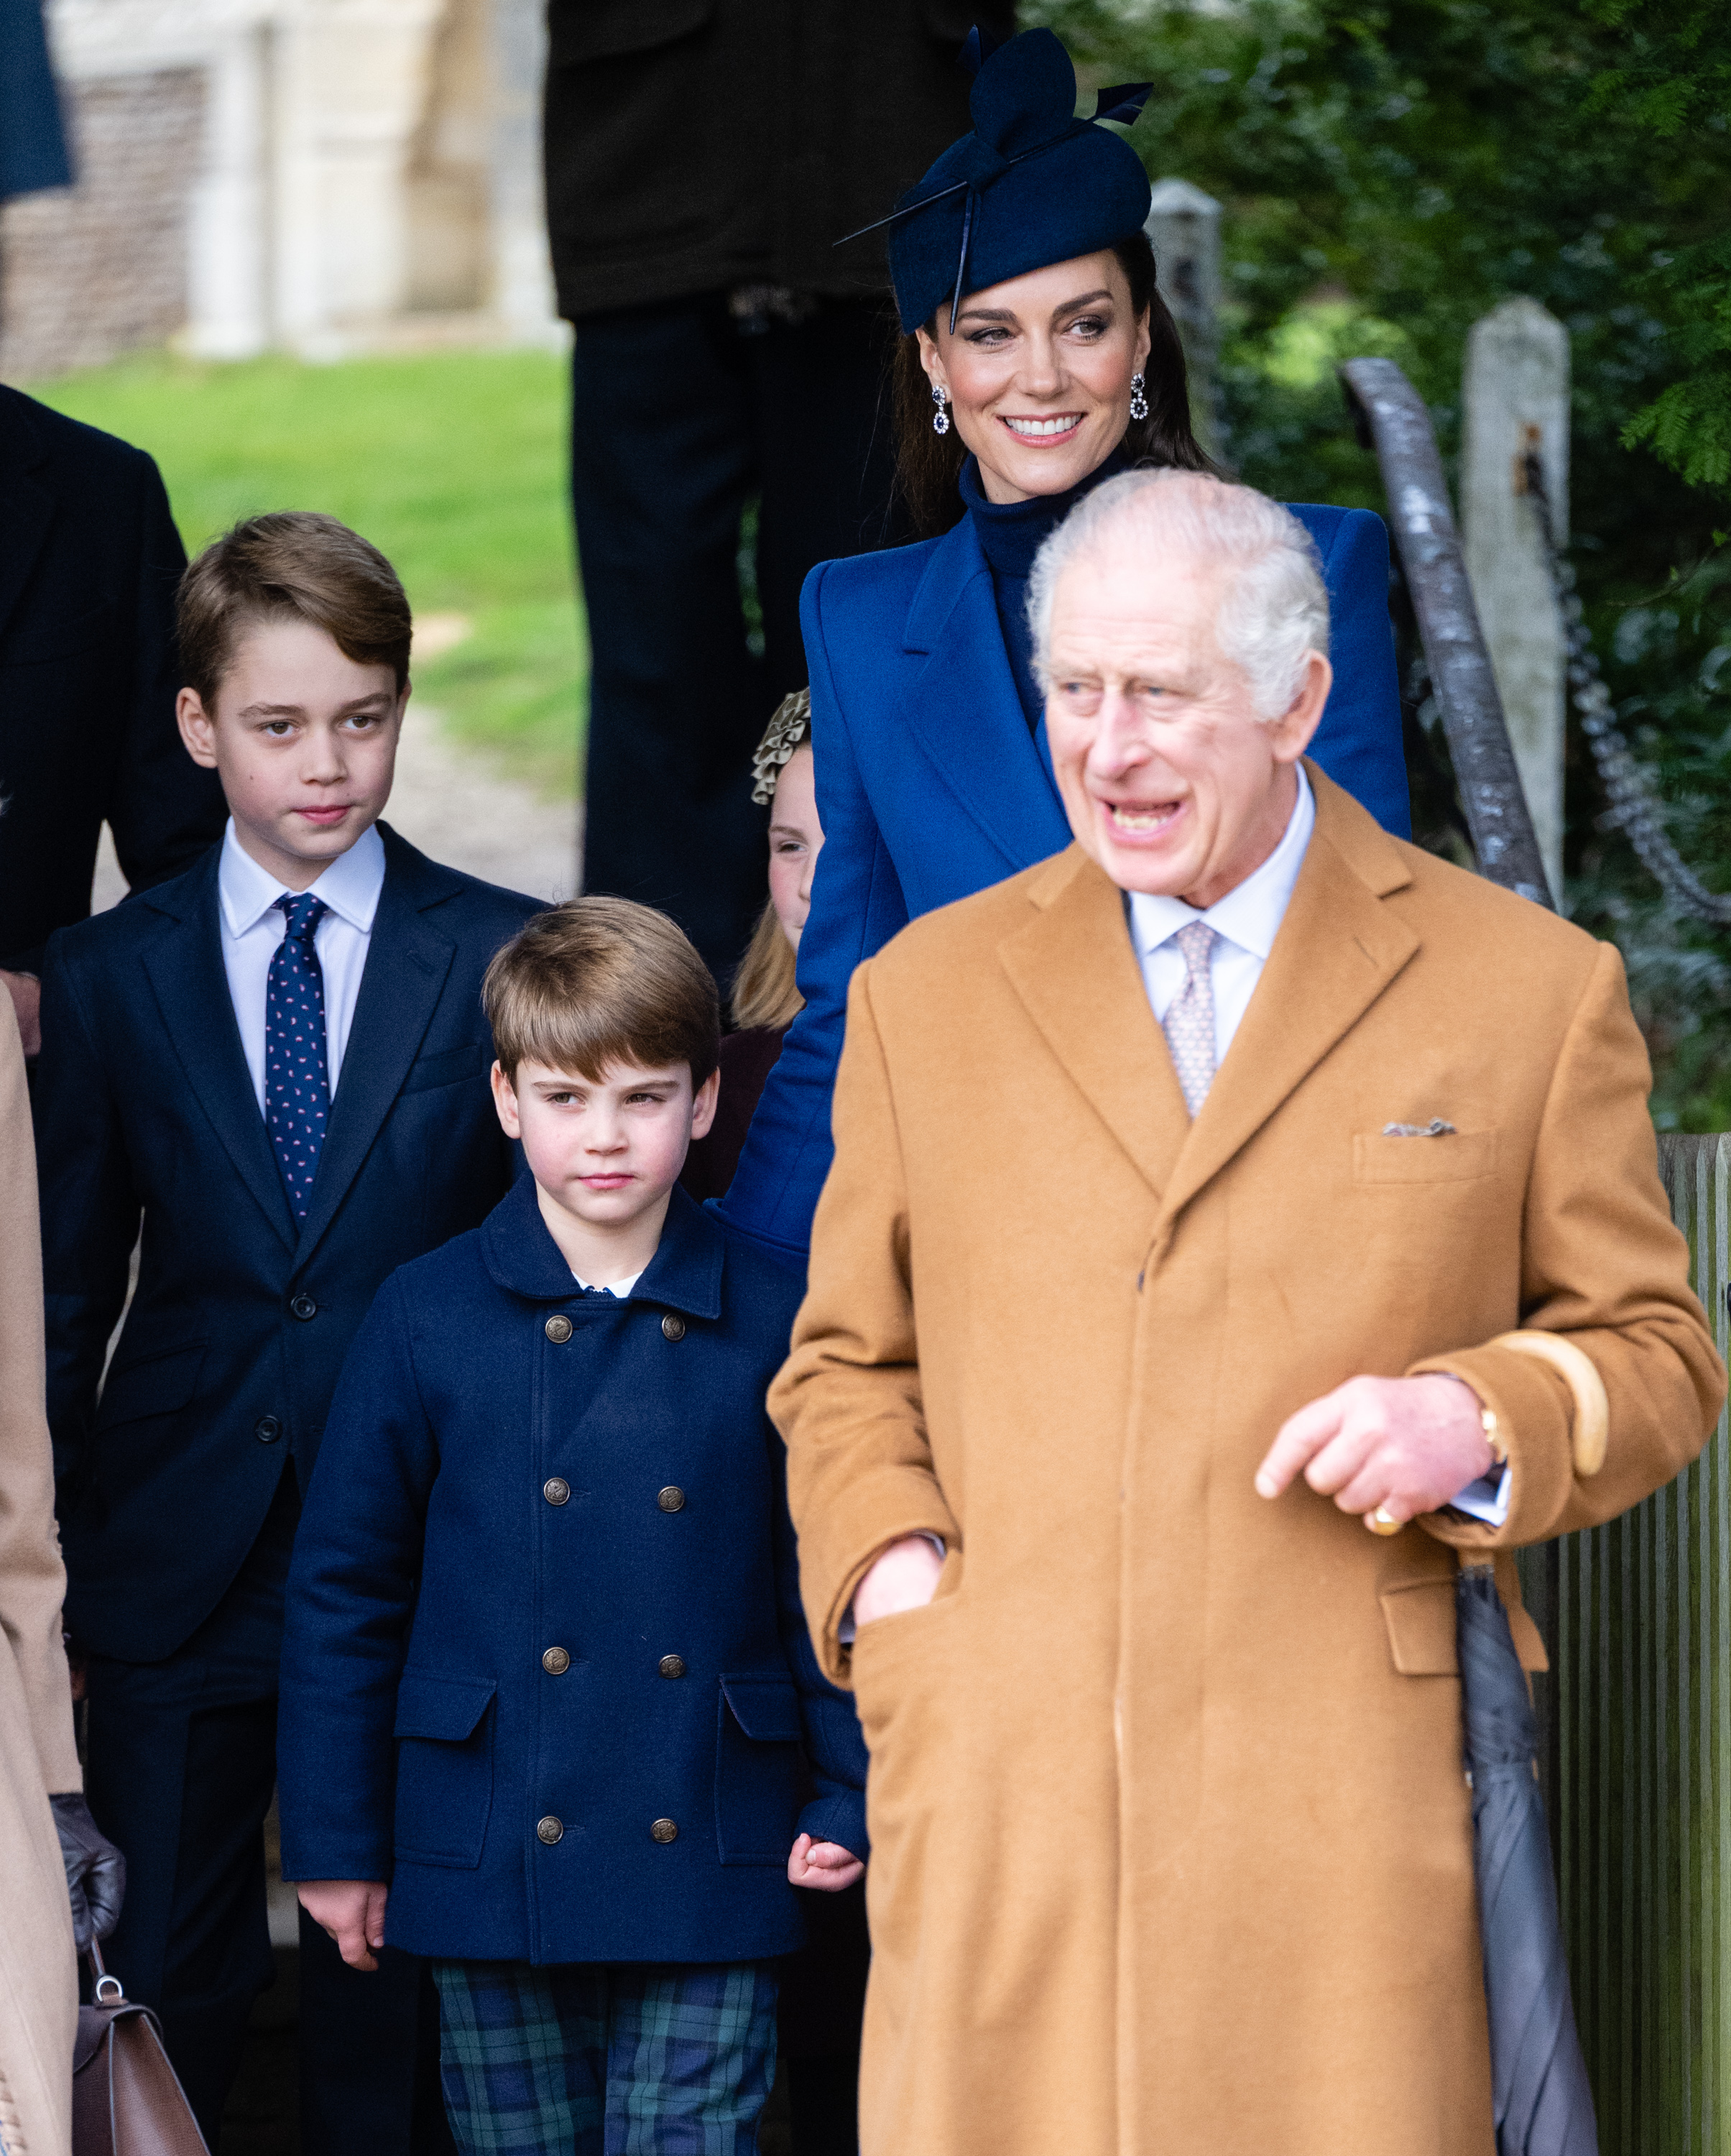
(929, 788)
(235, 1338)
(545, 1595)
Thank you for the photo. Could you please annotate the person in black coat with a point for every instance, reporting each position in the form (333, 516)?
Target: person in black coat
(703, 157)
(88, 676)
(277, 1064)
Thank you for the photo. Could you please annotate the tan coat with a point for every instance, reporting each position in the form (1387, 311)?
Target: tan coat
(38, 1988)
(1171, 1849)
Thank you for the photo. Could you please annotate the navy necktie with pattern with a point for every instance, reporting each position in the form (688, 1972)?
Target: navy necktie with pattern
(297, 1082)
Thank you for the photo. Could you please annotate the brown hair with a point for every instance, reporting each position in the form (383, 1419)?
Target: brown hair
(928, 465)
(598, 981)
(292, 565)
(765, 993)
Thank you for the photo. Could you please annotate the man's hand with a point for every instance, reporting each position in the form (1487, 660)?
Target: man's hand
(824, 1865)
(26, 992)
(903, 1576)
(352, 1911)
(1408, 1444)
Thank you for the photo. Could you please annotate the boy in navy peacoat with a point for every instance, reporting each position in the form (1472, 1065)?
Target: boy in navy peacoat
(550, 1713)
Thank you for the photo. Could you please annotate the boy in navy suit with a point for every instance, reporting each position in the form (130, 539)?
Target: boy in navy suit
(545, 1675)
(277, 1063)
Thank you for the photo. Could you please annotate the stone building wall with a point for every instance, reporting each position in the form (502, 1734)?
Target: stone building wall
(99, 268)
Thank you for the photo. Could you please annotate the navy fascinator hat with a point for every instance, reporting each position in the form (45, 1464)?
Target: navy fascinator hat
(1031, 185)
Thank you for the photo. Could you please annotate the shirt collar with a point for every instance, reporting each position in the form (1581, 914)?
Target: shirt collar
(1250, 913)
(349, 886)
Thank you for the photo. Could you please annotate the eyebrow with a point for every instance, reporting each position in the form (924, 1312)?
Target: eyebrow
(299, 710)
(1008, 314)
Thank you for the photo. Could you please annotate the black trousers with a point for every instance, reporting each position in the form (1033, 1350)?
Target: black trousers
(181, 1765)
(679, 419)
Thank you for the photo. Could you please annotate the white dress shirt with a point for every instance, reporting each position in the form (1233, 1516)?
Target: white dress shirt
(620, 1290)
(1246, 923)
(253, 928)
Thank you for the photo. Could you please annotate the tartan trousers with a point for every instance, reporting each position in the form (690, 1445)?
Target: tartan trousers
(590, 2059)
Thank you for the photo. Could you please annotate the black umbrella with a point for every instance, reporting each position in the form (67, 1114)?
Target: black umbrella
(1543, 2104)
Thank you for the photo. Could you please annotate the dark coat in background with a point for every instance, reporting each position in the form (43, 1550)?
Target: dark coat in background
(692, 145)
(240, 1323)
(544, 1669)
(88, 565)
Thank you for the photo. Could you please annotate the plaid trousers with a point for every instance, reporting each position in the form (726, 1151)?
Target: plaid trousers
(587, 2059)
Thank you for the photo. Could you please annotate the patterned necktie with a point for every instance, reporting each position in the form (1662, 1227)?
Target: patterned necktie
(1189, 1023)
(297, 1083)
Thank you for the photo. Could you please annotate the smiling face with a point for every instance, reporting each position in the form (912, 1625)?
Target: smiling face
(1038, 373)
(305, 742)
(1170, 780)
(796, 840)
(605, 1153)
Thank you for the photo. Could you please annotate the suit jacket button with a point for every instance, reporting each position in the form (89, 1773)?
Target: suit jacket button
(550, 1830)
(663, 1830)
(555, 1661)
(303, 1307)
(267, 1430)
(672, 1666)
(558, 1331)
(671, 1499)
(555, 1490)
(673, 1327)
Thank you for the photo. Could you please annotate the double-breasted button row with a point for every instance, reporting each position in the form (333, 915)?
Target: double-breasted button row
(558, 1328)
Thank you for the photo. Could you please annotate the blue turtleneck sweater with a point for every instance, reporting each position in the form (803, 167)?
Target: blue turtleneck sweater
(1010, 533)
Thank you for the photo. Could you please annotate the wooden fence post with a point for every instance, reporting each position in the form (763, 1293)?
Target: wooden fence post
(1183, 227)
(1516, 399)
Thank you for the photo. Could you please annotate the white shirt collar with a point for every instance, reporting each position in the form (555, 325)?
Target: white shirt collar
(349, 886)
(1250, 913)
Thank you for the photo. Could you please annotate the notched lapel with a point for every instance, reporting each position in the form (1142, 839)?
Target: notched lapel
(1075, 970)
(1338, 949)
(408, 961)
(191, 985)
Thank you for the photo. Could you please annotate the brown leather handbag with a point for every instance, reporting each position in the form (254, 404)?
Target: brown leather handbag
(127, 2099)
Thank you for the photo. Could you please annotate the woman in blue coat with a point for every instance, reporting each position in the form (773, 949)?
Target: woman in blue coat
(1039, 361)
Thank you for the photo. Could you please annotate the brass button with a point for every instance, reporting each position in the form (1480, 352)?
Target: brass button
(555, 1661)
(671, 1499)
(555, 1490)
(672, 1666)
(663, 1830)
(558, 1331)
(673, 1327)
(550, 1830)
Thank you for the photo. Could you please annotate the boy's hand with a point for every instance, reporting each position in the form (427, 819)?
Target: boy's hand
(824, 1865)
(352, 1911)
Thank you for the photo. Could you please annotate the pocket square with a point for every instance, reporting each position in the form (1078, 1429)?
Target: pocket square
(1436, 1128)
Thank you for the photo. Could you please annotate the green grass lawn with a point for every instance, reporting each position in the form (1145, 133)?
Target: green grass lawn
(453, 463)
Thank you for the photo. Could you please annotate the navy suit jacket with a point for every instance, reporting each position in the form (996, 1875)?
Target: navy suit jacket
(930, 788)
(607, 1492)
(241, 1318)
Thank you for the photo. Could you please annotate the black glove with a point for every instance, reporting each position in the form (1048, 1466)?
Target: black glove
(95, 1870)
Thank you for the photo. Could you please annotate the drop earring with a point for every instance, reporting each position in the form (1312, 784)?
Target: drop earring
(940, 418)
(1139, 402)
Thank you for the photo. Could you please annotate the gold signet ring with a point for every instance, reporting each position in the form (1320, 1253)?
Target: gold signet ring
(1382, 1521)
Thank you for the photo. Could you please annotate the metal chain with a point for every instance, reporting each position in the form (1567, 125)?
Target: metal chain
(1633, 809)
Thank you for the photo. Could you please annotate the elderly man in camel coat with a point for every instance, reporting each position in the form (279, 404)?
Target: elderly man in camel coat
(1184, 1187)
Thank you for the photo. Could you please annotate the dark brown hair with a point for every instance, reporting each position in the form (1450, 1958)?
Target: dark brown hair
(292, 565)
(598, 981)
(928, 465)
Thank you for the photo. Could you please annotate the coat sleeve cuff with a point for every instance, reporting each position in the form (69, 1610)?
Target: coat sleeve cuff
(1535, 1417)
(879, 1510)
(838, 1817)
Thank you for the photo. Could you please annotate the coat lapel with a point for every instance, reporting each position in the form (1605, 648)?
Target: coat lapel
(1076, 973)
(27, 507)
(965, 711)
(191, 985)
(408, 961)
(1338, 948)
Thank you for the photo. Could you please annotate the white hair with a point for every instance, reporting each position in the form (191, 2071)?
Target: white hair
(1273, 604)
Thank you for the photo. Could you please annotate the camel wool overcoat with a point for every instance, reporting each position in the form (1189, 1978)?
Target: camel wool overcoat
(1171, 1850)
(38, 1982)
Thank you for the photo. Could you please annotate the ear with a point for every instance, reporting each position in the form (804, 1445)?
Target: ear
(1289, 734)
(198, 728)
(930, 361)
(504, 1099)
(1145, 343)
(703, 1103)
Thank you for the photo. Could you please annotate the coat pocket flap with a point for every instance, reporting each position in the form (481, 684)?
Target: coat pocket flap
(446, 1709)
(766, 1708)
(1421, 1618)
(157, 1385)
